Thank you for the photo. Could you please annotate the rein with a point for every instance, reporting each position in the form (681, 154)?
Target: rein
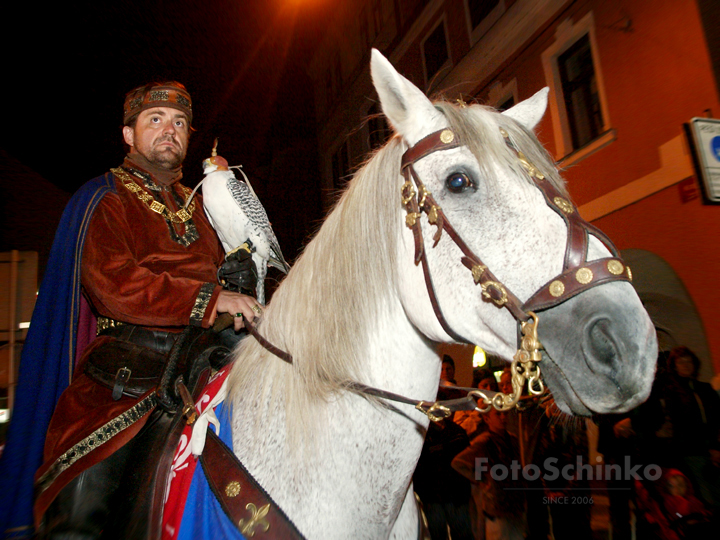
(578, 275)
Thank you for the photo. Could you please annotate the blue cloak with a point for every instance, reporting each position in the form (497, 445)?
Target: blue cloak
(47, 361)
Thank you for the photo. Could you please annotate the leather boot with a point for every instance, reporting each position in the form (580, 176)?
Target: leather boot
(82, 508)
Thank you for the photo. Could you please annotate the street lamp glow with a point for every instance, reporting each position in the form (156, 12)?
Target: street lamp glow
(479, 358)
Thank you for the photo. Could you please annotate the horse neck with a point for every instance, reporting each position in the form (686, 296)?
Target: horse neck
(350, 470)
(349, 460)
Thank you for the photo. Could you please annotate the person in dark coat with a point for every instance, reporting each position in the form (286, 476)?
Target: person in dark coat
(444, 493)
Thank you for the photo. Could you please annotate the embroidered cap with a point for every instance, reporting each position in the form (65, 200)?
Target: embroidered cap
(163, 94)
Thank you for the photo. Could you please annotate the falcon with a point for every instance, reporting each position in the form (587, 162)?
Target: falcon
(239, 218)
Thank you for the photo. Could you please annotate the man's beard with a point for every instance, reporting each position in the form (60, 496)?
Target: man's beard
(166, 157)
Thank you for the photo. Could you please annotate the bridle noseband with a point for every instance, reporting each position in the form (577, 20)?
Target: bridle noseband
(578, 274)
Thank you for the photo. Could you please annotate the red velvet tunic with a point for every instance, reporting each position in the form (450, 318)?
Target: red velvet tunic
(140, 268)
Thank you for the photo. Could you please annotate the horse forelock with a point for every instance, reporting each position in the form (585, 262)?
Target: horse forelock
(478, 128)
(323, 311)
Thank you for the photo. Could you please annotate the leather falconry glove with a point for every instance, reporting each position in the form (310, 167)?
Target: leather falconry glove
(238, 273)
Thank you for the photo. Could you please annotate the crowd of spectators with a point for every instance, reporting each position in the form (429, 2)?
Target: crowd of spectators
(526, 474)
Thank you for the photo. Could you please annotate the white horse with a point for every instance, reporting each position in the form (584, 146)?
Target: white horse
(355, 307)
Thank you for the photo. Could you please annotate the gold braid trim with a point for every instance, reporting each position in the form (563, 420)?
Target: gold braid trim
(96, 439)
(181, 216)
(201, 303)
(103, 323)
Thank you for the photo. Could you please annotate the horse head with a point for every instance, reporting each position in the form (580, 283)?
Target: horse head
(481, 170)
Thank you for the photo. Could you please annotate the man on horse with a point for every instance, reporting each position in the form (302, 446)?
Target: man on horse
(134, 263)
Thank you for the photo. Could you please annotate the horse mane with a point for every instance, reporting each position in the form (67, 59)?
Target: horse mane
(323, 311)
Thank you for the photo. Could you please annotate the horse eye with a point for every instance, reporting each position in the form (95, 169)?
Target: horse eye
(458, 182)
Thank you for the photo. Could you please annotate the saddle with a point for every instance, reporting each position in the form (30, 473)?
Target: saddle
(197, 353)
(125, 498)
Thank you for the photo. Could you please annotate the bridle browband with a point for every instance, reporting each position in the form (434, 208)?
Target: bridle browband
(578, 275)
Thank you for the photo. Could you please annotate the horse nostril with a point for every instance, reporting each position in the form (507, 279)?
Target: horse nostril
(601, 352)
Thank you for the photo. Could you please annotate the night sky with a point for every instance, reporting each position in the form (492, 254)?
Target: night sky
(67, 66)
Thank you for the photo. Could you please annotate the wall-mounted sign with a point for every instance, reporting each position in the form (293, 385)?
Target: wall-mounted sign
(704, 138)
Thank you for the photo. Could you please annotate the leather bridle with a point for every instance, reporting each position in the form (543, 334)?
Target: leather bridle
(578, 275)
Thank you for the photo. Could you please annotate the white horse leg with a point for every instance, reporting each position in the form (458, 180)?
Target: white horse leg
(406, 525)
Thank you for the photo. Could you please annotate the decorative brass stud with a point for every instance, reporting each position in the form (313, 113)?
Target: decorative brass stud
(629, 273)
(447, 136)
(407, 187)
(564, 205)
(615, 267)
(232, 489)
(423, 192)
(477, 271)
(531, 169)
(584, 276)
(411, 218)
(499, 288)
(557, 288)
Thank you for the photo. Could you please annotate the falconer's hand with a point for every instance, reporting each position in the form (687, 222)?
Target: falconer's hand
(239, 306)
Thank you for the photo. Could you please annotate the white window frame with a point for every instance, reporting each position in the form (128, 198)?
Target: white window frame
(566, 35)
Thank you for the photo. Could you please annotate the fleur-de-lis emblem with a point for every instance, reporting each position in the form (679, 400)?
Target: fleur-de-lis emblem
(257, 519)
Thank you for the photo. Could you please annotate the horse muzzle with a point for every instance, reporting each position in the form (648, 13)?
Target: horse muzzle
(605, 361)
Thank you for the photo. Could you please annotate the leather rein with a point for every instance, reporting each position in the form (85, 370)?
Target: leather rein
(578, 275)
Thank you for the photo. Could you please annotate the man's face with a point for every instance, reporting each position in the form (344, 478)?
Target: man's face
(160, 135)
(496, 421)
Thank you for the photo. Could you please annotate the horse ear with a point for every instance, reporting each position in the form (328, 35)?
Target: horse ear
(530, 112)
(409, 111)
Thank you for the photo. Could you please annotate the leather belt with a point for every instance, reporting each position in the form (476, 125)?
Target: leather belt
(157, 340)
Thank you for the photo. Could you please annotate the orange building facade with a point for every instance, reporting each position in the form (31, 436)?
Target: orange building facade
(624, 78)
